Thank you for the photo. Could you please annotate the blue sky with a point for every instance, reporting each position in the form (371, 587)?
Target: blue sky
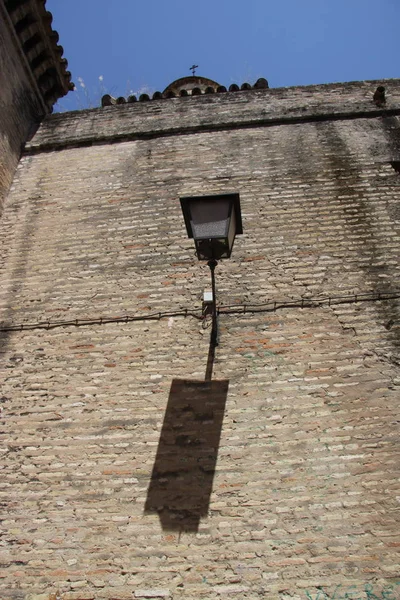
(143, 45)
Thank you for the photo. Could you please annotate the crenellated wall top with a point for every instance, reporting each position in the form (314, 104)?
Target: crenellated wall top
(227, 110)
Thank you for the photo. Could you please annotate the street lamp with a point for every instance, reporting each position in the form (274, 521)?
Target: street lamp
(213, 222)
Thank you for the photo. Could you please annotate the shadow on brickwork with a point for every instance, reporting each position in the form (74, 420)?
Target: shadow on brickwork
(183, 472)
(391, 127)
(360, 224)
(24, 240)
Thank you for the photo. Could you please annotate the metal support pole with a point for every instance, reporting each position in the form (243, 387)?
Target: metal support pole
(214, 331)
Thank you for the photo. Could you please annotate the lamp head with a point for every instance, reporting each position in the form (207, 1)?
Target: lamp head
(213, 222)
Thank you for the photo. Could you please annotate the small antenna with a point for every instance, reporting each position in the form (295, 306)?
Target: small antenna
(193, 69)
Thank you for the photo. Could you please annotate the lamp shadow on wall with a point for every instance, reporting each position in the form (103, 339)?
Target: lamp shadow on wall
(183, 472)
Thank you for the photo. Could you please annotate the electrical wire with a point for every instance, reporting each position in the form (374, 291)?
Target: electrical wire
(272, 305)
(228, 309)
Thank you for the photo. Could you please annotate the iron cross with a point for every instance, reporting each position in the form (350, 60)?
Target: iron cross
(193, 69)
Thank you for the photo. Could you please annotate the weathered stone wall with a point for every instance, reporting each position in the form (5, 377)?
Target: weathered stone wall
(19, 107)
(225, 111)
(124, 473)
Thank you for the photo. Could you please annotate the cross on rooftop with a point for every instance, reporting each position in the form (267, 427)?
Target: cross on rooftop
(193, 69)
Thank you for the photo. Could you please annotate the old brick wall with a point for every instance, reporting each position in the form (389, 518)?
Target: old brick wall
(215, 112)
(124, 473)
(19, 106)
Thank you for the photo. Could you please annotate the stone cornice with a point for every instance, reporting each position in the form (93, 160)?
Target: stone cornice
(30, 25)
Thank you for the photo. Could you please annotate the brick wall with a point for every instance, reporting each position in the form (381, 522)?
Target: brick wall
(215, 112)
(124, 473)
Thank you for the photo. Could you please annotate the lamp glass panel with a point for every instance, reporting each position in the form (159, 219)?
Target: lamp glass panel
(212, 248)
(232, 230)
(209, 219)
